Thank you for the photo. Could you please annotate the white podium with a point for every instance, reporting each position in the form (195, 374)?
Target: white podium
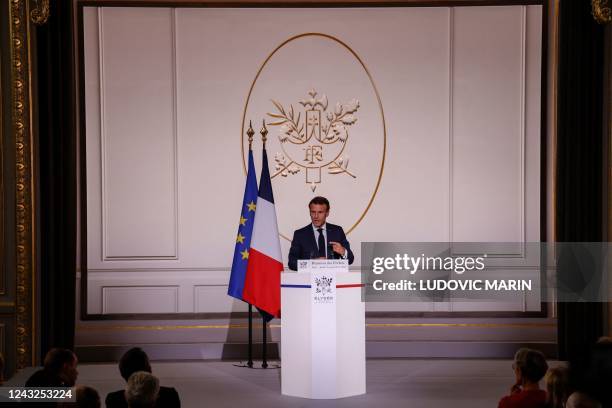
(322, 331)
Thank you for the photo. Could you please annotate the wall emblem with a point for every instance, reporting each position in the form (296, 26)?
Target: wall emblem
(315, 141)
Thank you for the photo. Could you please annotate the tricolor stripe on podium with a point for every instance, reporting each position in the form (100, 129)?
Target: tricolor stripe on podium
(262, 283)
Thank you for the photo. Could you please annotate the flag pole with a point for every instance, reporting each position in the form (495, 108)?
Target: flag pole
(250, 133)
(250, 362)
(264, 362)
(242, 248)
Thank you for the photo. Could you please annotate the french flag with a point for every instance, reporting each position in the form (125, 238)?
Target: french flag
(262, 282)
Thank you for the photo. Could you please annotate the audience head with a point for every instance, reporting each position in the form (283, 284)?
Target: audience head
(604, 340)
(62, 363)
(87, 397)
(557, 387)
(529, 366)
(598, 378)
(141, 390)
(581, 400)
(135, 359)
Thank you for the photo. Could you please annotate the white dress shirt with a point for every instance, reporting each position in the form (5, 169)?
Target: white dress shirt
(316, 234)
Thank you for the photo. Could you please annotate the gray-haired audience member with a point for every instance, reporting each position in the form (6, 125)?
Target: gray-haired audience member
(529, 368)
(581, 400)
(87, 397)
(142, 390)
(134, 360)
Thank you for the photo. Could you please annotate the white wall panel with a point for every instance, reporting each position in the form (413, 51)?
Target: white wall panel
(449, 106)
(214, 299)
(139, 299)
(137, 135)
(488, 126)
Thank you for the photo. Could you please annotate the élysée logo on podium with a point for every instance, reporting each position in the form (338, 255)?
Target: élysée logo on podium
(323, 285)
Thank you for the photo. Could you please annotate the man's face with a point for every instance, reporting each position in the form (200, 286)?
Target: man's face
(70, 372)
(318, 214)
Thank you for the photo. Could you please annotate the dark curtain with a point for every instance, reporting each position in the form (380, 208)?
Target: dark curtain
(580, 160)
(57, 177)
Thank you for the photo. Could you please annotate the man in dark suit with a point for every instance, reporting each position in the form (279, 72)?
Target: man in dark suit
(134, 360)
(319, 240)
(60, 370)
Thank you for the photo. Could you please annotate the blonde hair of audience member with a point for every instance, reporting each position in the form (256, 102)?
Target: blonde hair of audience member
(581, 400)
(141, 390)
(557, 387)
(87, 397)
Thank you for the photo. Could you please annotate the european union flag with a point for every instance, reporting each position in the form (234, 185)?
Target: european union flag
(245, 231)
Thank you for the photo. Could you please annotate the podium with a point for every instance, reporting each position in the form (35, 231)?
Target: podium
(322, 331)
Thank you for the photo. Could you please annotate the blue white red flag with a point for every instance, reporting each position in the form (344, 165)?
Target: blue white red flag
(262, 283)
(245, 232)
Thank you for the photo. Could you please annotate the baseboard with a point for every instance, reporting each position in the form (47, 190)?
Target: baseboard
(374, 349)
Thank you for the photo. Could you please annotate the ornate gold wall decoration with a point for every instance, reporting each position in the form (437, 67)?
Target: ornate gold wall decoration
(601, 11)
(3, 277)
(317, 142)
(22, 129)
(40, 11)
(322, 115)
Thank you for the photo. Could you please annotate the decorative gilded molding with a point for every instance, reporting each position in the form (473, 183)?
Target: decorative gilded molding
(21, 117)
(157, 328)
(601, 11)
(40, 11)
(3, 278)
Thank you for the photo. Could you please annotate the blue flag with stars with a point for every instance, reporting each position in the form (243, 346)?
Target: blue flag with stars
(245, 231)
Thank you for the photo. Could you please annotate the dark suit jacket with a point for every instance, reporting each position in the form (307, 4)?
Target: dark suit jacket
(168, 398)
(43, 378)
(304, 244)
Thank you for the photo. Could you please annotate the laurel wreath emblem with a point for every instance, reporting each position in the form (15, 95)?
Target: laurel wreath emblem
(318, 127)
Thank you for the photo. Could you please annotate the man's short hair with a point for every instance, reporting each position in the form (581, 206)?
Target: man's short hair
(319, 200)
(87, 397)
(135, 359)
(141, 390)
(531, 363)
(56, 358)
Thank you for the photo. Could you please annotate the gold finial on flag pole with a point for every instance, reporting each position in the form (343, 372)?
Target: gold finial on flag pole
(264, 133)
(250, 132)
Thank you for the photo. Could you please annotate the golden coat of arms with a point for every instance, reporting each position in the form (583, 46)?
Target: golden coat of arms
(315, 141)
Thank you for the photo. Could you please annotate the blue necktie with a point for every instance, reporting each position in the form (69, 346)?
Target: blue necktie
(321, 243)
